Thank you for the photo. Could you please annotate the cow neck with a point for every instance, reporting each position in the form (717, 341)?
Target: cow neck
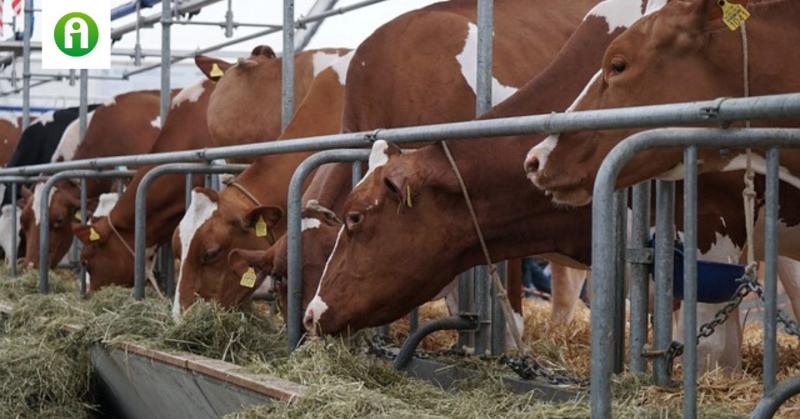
(505, 202)
(184, 129)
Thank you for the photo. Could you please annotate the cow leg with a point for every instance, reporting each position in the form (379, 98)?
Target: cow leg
(567, 284)
(514, 288)
(789, 274)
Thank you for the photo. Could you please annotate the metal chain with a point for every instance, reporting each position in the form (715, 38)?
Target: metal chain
(529, 368)
(748, 285)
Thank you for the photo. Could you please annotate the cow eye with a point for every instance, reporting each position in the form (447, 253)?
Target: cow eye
(210, 254)
(354, 218)
(618, 65)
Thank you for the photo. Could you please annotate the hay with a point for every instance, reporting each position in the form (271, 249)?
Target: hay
(45, 372)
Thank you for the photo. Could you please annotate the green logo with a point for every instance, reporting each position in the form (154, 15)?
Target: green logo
(76, 34)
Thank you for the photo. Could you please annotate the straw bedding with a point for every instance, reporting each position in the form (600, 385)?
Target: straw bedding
(44, 372)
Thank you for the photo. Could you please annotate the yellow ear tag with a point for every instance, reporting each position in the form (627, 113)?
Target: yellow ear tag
(733, 14)
(249, 278)
(261, 227)
(216, 71)
(408, 197)
(78, 215)
(93, 236)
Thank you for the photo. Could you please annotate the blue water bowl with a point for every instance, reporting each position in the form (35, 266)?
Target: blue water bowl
(716, 282)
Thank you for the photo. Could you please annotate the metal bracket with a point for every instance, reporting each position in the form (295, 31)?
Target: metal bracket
(712, 111)
(644, 256)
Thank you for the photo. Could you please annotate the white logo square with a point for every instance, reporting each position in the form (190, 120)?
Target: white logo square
(76, 35)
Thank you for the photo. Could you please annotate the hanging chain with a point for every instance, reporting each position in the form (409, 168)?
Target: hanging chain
(529, 368)
(748, 285)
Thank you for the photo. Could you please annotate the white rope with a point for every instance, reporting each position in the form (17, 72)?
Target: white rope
(749, 192)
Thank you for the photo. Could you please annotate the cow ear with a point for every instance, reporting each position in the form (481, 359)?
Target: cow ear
(261, 220)
(213, 68)
(398, 186)
(264, 50)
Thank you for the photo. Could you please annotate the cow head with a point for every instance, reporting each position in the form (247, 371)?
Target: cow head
(245, 105)
(211, 228)
(63, 204)
(106, 258)
(672, 55)
(319, 229)
(374, 274)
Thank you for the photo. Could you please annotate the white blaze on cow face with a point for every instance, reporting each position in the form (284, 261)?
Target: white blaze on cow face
(322, 60)
(105, 204)
(468, 59)
(70, 140)
(190, 94)
(317, 307)
(309, 224)
(38, 191)
(156, 122)
(199, 211)
(542, 150)
(46, 118)
(341, 65)
(377, 158)
(6, 230)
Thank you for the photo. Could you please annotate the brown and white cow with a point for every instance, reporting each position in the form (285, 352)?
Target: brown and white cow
(108, 259)
(682, 53)
(551, 91)
(436, 83)
(216, 223)
(126, 124)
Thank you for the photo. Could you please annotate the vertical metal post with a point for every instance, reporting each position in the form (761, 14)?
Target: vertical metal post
(466, 283)
(770, 275)
(498, 318)
(79, 245)
(137, 48)
(620, 236)
(26, 64)
(188, 190)
(483, 305)
(483, 102)
(483, 90)
(166, 22)
(14, 235)
(690, 282)
(664, 260)
(287, 85)
(356, 173)
(229, 20)
(639, 281)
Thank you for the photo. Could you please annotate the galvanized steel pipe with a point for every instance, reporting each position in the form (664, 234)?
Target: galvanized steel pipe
(294, 234)
(602, 227)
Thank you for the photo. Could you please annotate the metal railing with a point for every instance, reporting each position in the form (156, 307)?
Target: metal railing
(607, 276)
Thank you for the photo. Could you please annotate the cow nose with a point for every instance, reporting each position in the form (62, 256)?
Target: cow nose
(532, 164)
(308, 320)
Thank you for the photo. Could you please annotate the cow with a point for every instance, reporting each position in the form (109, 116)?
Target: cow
(36, 145)
(436, 84)
(685, 44)
(515, 219)
(260, 190)
(107, 258)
